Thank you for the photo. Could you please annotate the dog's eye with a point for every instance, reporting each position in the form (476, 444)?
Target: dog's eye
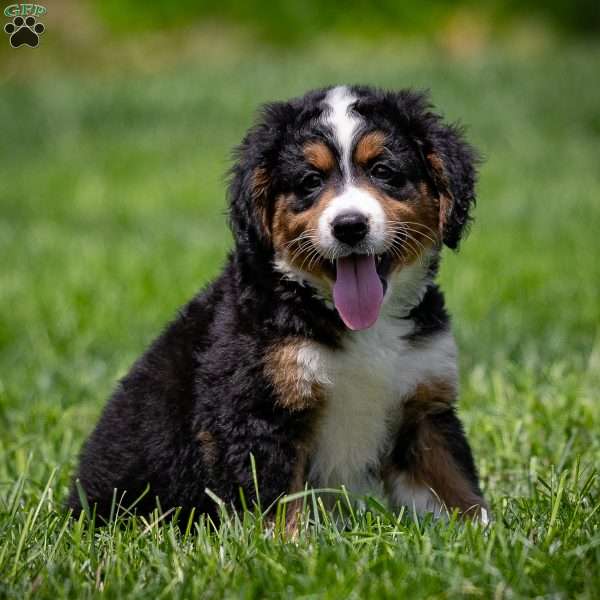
(388, 175)
(382, 171)
(311, 182)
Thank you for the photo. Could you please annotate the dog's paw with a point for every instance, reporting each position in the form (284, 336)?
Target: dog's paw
(24, 31)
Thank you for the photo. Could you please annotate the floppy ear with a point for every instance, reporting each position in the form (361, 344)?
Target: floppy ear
(451, 162)
(249, 212)
(251, 188)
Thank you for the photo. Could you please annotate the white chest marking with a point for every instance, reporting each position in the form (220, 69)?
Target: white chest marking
(370, 379)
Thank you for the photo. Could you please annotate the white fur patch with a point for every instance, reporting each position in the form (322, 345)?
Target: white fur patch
(303, 278)
(311, 369)
(371, 377)
(422, 500)
(288, 271)
(343, 123)
(407, 287)
(351, 200)
(417, 498)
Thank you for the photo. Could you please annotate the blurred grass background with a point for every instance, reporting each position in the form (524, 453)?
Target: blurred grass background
(302, 20)
(115, 135)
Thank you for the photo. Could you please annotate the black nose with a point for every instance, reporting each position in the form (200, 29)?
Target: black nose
(350, 228)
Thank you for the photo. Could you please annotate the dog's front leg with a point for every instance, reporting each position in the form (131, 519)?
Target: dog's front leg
(431, 467)
(297, 378)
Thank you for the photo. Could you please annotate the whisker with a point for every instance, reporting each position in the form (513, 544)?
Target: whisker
(416, 241)
(307, 233)
(416, 251)
(399, 227)
(412, 245)
(416, 223)
(316, 257)
(299, 251)
(430, 229)
(308, 257)
(433, 241)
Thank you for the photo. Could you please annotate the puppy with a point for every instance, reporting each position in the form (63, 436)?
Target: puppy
(323, 350)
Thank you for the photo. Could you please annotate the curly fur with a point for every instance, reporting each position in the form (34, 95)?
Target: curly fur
(201, 400)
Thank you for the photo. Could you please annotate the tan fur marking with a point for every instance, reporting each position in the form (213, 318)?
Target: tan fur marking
(416, 216)
(429, 399)
(445, 200)
(369, 147)
(295, 387)
(295, 234)
(260, 188)
(208, 447)
(293, 509)
(436, 162)
(436, 391)
(435, 467)
(319, 156)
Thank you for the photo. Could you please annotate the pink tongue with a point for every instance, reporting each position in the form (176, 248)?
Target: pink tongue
(357, 292)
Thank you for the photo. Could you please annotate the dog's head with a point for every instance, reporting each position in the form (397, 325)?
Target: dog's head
(347, 186)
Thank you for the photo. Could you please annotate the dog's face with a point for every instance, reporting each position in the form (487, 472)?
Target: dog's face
(345, 187)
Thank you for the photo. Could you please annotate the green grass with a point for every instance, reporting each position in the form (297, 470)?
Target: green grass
(111, 216)
(285, 21)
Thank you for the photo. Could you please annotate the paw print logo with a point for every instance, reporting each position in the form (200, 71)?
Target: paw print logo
(24, 31)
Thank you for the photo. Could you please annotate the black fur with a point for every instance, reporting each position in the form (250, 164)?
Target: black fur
(429, 316)
(205, 372)
(410, 114)
(446, 422)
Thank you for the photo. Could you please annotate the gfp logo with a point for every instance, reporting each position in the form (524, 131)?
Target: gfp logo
(25, 29)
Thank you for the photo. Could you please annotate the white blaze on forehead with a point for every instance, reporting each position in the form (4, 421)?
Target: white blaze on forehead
(340, 119)
(344, 125)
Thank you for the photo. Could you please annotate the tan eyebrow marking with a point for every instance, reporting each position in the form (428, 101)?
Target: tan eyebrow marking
(319, 156)
(370, 146)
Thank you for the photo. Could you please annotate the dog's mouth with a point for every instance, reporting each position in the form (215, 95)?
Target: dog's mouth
(359, 288)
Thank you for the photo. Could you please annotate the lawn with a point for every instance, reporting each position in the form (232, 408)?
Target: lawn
(112, 215)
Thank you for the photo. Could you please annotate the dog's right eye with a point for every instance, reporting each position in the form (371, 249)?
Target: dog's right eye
(311, 182)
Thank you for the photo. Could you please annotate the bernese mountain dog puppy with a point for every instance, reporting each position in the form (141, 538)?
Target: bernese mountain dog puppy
(323, 353)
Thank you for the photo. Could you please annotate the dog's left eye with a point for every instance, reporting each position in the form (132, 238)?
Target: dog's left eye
(382, 171)
(311, 182)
